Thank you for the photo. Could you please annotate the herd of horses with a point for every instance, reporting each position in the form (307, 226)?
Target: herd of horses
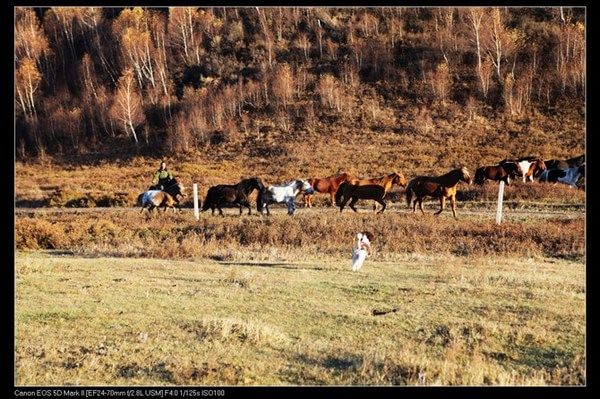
(344, 189)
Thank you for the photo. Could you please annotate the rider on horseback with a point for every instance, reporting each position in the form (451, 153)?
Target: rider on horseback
(161, 176)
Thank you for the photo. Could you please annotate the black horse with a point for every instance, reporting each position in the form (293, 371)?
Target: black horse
(236, 194)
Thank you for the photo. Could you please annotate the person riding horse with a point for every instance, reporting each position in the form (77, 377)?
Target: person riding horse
(161, 177)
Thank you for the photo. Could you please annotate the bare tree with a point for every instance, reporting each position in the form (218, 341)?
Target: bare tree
(475, 18)
(185, 35)
(304, 44)
(282, 84)
(267, 35)
(500, 42)
(27, 82)
(30, 39)
(127, 106)
(440, 81)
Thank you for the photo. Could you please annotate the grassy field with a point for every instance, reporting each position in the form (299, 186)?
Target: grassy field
(106, 296)
(451, 320)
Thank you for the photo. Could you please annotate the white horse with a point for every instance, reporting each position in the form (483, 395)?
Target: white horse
(360, 251)
(283, 193)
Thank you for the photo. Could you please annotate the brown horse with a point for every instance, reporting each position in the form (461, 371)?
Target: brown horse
(325, 185)
(386, 182)
(157, 199)
(441, 187)
(530, 166)
(355, 192)
(497, 173)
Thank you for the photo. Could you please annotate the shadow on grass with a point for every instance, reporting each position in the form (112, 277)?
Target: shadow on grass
(275, 265)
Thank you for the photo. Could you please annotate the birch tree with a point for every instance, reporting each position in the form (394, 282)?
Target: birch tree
(127, 107)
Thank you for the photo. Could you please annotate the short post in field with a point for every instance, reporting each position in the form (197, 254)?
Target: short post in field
(500, 197)
(196, 211)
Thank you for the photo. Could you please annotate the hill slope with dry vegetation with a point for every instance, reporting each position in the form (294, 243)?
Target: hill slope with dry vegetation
(282, 93)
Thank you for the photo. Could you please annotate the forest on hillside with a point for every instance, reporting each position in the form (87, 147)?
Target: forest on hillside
(180, 79)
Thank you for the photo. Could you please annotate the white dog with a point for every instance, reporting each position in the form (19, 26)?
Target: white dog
(361, 250)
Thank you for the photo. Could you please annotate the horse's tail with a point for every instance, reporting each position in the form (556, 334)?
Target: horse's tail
(479, 175)
(260, 203)
(409, 193)
(207, 201)
(339, 194)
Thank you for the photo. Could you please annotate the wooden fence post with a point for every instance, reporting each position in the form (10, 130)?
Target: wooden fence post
(196, 211)
(500, 198)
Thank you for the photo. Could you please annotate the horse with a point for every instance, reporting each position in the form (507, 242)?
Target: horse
(529, 166)
(282, 193)
(568, 176)
(556, 164)
(576, 161)
(386, 182)
(234, 194)
(327, 185)
(355, 192)
(441, 187)
(565, 164)
(167, 197)
(497, 173)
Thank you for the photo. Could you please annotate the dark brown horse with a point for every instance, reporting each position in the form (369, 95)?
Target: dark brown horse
(497, 173)
(234, 194)
(327, 185)
(441, 187)
(355, 192)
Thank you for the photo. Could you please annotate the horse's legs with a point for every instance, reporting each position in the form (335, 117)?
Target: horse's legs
(382, 203)
(453, 203)
(332, 195)
(291, 206)
(374, 206)
(142, 211)
(421, 205)
(247, 205)
(352, 203)
(415, 205)
(442, 204)
(220, 210)
(343, 203)
(308, 200)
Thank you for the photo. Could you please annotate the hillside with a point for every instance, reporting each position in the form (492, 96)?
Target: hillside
(301, 88)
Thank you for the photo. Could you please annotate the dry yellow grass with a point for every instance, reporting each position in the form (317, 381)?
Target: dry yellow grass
(458, 321)
(126, 233)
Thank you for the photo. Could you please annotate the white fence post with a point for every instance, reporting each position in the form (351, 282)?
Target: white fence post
(196, 211)
(500, 197)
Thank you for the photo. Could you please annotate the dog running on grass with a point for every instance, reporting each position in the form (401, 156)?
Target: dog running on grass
(361, 250)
